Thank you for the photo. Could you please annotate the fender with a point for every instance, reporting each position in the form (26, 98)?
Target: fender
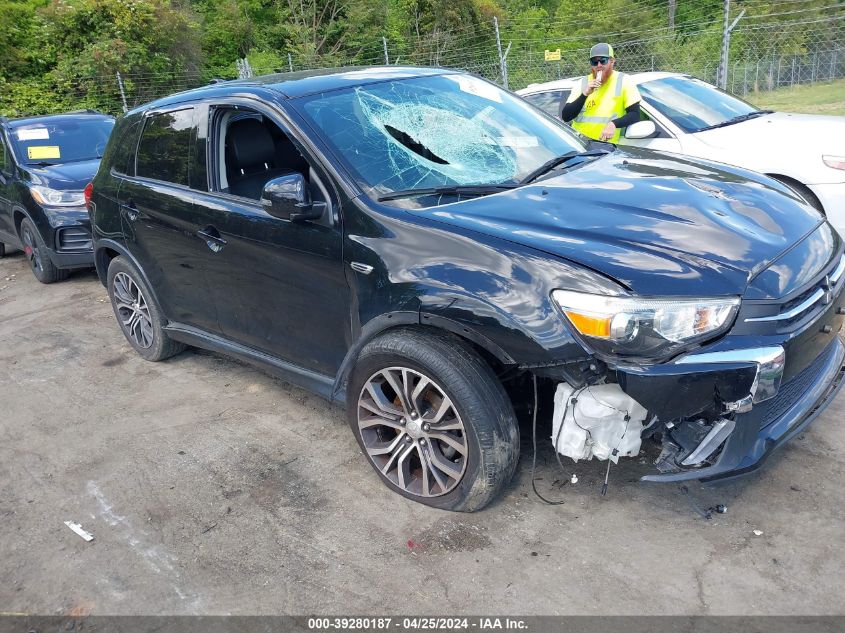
(122, 251)
(385, 322)
(23, 211)
(369, 331)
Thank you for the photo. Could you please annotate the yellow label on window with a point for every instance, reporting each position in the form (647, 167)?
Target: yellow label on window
(39, 152)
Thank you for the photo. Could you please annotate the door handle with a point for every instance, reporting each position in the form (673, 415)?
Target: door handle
(212, 238)
(130, 210)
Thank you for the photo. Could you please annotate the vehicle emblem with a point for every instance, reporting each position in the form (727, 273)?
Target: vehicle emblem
(828, 290)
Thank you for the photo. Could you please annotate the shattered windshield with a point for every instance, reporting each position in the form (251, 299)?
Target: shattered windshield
(439, 131)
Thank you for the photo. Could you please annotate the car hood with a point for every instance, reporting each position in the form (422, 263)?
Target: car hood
(657, 223)
(66, 175)
(808, 133)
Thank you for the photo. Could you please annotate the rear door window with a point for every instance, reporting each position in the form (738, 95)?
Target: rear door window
(165, 148)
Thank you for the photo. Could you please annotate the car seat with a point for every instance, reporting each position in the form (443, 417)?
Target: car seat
(250, 154)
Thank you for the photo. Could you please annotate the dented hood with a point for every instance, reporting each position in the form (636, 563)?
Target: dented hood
(657, 223)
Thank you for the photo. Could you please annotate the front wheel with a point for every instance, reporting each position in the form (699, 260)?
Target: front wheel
(433, 419)
(36, 253)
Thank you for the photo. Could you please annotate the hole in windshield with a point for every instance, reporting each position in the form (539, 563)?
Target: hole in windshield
(414, 146)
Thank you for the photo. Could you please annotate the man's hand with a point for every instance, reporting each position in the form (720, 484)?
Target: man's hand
(608, 131)
(592, 84)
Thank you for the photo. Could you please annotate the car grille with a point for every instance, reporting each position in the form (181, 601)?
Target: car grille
(790, 392)
(74, 238)
(803, 308)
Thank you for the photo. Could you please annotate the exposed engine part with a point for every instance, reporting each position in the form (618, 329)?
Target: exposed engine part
(717, 434)
(599, 421)
(692, 443)
(666, 462)
(578, 373)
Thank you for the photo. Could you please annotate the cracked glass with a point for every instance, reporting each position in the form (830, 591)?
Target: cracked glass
(437, 131)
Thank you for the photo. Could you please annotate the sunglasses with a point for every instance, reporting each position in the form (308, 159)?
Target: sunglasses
(595, 61)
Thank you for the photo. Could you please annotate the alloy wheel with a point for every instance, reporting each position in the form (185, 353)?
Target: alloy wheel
(31, 250)
(132, 310)
(412, 432)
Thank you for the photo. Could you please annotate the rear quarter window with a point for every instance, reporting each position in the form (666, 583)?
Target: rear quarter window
(121, 153)
(164, 151)
(550, 102)
(3, 165)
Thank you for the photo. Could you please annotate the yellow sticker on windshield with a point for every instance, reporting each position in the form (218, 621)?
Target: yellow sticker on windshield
(39, 152)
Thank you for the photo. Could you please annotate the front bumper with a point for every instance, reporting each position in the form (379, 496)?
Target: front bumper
(69, 241)
(832, 197)
(765, 388)
(771, 424)
(60, 259)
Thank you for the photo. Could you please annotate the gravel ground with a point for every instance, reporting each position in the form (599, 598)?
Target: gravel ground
(213, 488)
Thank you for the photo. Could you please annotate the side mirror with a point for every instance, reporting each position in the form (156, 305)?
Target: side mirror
(288, 198)
(641, 129)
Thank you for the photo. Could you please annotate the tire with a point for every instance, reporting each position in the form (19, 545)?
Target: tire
(138, 313)
(475, 431)
(36, 253)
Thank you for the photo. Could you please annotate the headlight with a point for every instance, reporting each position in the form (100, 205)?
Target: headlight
(651, 328)
(837, 162)
(55, 198)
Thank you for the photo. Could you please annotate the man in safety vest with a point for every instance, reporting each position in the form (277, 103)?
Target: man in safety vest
(607, 101)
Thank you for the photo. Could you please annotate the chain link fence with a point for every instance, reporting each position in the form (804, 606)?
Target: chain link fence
(763, 57)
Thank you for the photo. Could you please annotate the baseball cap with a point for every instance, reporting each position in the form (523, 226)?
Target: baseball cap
(601, 50)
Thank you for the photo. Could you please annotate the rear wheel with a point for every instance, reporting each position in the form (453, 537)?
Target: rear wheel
(433, 420)
(36, 253)
(138, 313)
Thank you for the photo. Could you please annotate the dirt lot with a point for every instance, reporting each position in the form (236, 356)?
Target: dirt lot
(213, 488)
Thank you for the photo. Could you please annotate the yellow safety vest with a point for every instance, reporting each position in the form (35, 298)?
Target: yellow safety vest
(602, 106)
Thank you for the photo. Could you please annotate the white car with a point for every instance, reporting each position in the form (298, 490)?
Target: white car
(685, 115)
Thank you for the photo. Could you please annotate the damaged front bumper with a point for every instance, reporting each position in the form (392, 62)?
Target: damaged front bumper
(723, 410)
(755, 434)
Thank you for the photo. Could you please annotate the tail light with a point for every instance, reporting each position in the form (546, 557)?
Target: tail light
(88, 192)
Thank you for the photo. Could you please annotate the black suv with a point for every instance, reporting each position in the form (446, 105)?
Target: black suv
(436, 253)
(45, 163)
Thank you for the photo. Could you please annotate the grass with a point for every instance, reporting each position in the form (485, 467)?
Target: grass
(821, 98)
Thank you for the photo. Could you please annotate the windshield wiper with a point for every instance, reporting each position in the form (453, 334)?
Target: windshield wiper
(736, 119)
(557, 161)
(43, 163)
(452, 190)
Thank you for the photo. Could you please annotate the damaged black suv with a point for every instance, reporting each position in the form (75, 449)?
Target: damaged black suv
(431, 250)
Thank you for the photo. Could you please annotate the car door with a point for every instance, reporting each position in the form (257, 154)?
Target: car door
(162, 224)
(279, 285)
